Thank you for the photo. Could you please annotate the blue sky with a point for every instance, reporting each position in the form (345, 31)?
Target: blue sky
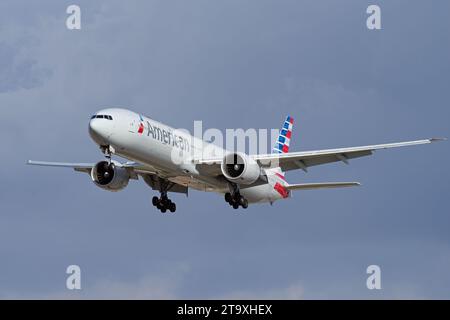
(231, 64)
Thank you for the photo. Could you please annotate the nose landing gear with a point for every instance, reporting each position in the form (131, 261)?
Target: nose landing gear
(108, 151)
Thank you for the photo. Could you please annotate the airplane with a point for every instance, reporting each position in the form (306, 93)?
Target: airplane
(151, 147)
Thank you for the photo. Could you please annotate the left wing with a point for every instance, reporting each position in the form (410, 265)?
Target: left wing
(303, 160)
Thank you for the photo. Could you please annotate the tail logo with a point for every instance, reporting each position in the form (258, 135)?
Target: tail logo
(284, 138)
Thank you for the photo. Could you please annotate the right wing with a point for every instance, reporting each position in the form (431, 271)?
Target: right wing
(153, 178)
(135, 167)
(82, 167)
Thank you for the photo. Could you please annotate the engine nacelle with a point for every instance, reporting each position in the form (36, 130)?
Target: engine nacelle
(239, 168)
(110, 176)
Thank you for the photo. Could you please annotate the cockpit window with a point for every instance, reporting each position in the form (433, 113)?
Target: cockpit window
(101, 116)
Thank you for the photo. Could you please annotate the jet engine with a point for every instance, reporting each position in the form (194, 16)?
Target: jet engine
(110, 176)
(239, 168)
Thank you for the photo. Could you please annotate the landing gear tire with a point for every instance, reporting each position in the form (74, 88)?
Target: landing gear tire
(236, 200)
(163, 204)
(234, 197)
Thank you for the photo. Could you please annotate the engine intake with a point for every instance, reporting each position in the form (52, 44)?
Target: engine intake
(110, 176)
(239, 168)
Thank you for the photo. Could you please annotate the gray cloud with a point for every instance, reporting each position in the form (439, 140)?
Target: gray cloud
(18, 73)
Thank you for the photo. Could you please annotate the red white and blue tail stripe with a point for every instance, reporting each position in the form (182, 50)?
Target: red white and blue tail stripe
(284, 138)
(282, 146)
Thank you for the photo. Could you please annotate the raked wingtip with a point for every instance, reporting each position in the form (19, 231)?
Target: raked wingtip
(437, 139)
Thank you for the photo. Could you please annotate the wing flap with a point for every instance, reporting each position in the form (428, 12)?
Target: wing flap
(305, 162)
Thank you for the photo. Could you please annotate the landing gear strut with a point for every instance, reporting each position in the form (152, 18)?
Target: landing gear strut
(107, 151)
(235, 199)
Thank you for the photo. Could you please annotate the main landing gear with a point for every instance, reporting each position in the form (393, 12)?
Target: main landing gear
(235, 199)
(164, 203)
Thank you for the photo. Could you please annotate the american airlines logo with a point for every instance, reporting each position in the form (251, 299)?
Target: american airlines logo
(141, 125)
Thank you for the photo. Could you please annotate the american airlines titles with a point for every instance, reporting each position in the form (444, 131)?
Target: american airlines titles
(168, 137)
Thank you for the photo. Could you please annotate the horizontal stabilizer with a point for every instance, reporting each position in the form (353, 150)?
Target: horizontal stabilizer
(322, 185)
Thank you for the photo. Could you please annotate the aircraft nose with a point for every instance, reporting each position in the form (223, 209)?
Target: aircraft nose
(100, 131)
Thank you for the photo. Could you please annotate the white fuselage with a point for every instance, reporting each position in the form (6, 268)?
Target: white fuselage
(171, 152)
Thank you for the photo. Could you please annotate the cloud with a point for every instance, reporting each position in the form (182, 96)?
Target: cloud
(294, 291)
(149, 287)
(18, 72)
(156, 286)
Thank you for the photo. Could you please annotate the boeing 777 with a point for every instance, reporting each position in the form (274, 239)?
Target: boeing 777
(171, 160)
